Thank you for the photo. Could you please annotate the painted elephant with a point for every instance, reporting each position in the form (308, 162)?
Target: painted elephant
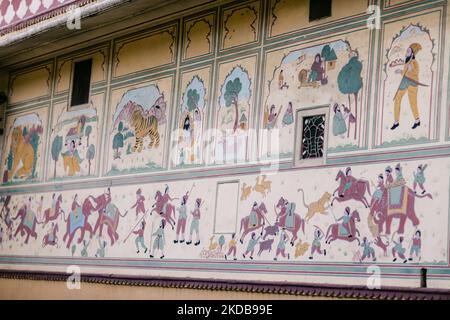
(383, 212)
(110, 217)
(78, 219)
(27, 225)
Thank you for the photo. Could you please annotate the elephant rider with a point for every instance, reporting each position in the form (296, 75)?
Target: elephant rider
(389, 178)
(378, 194)
(290, 215)
(349, 180)
(253, 220)
(399, 180)
(344, 227)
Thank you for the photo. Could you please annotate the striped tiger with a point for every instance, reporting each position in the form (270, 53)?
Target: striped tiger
(143, 126)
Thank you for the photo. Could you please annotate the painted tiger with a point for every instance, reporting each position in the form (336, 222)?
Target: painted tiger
(144, 126)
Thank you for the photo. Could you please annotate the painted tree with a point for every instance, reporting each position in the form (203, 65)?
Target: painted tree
(57, 146)
(87, 133)
(350, 81)
(118, 140)
(328, 55)
(221, 242)
(192, 99)
(35, 137)
(90, 154)
(232, 90)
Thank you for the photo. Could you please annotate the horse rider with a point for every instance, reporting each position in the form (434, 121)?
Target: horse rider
(349, 180)
(253, 220)
(344, 227)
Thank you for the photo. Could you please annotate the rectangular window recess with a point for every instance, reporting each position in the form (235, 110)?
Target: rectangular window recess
(81, 83)
(319, 9)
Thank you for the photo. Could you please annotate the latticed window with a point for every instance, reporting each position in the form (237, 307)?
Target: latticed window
(313, 137)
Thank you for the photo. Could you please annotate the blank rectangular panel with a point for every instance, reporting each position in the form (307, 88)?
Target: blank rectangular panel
(227, 198)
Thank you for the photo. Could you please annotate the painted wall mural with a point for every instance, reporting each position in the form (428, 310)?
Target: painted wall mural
(199, 36)
(192, 119)
(355, 215)
(23, 153)
(139, 125)
(409, 81)
(234, 110)
(75, 140)
(331, 73)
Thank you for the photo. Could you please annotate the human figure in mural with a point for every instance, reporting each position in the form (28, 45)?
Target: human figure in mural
(253, 221)
(316, 244)
(251, 245)
(344, 227)
(182, 156)
(368, 250)
(197, 143)
(159, 241)
(5, 213)
(339, 123)
(118, 141)
(40, 205)
(378, 194)
(389, 177)
(84, 252)
(317, 70)
(232, 249)
(1, 237)
(399, 250)
(182, 218)
(165, 199)
(288, 117)
(351, 120)
(195, 223)
(349, 180)
(187, 130)
(281, 247)
(281, 83)
(419, 178)
(140, 237)
(416, 245)
(409, 85)
(72, 159)
(140, 203)
(101, 251)
(290, 215)
(50, 238)
(399, 180)
(272, 118)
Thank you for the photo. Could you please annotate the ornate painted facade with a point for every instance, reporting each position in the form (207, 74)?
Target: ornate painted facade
(184, 160)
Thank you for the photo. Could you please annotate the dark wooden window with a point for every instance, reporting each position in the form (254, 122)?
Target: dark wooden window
(81, 82)
(319, 9)
(313, 137)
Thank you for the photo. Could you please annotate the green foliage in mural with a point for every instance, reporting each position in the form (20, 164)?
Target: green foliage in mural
(118, 140)
(328, 54)
(57, 145)
(232, 90)
(90, 154)
(221, 241)
(193, 99)
(10, 160)
(87, 133)
(350, 81)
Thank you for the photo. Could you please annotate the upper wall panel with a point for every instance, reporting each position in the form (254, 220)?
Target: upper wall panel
(145, 52)
(29, 84)
(290, 16)
(199, 34)
(240, 25)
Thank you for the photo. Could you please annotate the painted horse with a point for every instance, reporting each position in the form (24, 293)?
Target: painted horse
(101, 202)
(260, 218)
(334, 234)
(355, 192)
(51, 214)
(396, 202)
(164, 209)
(27, 224)
(51, 239)
(78, 219)
(297, 224)
(110, 217)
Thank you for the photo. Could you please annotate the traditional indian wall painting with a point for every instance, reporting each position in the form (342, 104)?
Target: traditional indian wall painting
(30, 84)
(23, 150)
(74, 140)
(407, 110)
(192, 118)
(333, 73)
(233, 110)
(323, 216)
(199, 35)
(139, 127)
(240, 25)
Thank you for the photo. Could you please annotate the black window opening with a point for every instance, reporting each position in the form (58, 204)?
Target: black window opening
(81, 82)
(313, 137)
(319, 9)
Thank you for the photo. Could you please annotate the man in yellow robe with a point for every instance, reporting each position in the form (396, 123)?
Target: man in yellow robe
(409, 85)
